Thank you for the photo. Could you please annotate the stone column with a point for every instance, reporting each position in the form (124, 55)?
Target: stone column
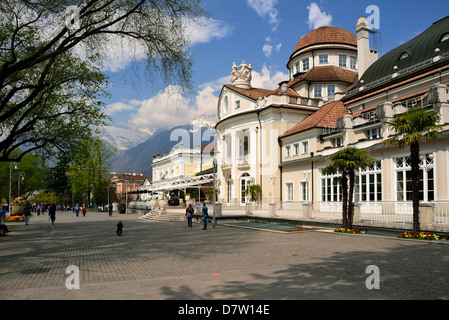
(426, 216)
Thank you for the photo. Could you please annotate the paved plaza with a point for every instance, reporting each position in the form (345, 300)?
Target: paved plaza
(168, 261)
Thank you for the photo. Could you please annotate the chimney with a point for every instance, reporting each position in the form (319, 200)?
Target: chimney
(366, 56)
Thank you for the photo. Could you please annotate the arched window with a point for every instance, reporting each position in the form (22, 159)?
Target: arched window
(445, 37)
(404, 55)
(226, 105)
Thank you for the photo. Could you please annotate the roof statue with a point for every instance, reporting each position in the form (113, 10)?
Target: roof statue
(241, 75)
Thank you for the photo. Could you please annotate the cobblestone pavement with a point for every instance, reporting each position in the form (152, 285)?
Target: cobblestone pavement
(168, 261)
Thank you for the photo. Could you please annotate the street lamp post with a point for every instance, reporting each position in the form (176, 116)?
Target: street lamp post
(214, 162)
(21, 177)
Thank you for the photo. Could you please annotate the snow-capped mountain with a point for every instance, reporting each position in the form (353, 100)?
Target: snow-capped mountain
(123, 137)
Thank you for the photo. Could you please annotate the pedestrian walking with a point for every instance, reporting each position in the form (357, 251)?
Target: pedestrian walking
(120, 228)
(84, 210)
(110, 209)
(3, 215)
(52, 213)
(205, 215)
(189, 215)
(38, 209)
(27, 214)
(77, 210)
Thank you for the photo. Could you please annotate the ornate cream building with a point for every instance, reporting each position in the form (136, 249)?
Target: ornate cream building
(339, 94)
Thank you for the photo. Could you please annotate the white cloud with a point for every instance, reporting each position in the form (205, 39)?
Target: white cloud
(118, 107)
(204, 30)
(317, 18)
(266, 9)
(268, 48)
(266, 80)
(172, 107)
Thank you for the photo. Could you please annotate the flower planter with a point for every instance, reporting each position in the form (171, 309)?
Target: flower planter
(163, 204)
(421, 236)
(350, 231)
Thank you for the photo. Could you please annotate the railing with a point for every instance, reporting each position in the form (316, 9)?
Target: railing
(441, 214)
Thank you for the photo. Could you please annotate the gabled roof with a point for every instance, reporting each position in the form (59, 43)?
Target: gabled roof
(325, 117)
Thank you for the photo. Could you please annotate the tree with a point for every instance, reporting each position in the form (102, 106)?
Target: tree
(346, 162)
(412, 127)
(51, 83)
(90, 168)
(36, 175)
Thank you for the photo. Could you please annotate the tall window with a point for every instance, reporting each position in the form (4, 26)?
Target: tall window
(368, 183)
(404, 179)
(317, 93)
(305, 65)
(229, 190)
(353, 62)
(324, 59)
(296, 149)
(305, 147)
(331, 91)
(244, 184)
(342, 60)
(304, 191)
(331, 190)
(287, 151)
(289, 188)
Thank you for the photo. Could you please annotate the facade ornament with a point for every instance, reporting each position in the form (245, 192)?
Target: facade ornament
(241, 75)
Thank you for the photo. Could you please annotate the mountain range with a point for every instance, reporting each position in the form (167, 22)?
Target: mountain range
(136, 156)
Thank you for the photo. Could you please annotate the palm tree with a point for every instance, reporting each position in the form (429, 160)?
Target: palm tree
(412, 127)
(254, 191)
(346, 162)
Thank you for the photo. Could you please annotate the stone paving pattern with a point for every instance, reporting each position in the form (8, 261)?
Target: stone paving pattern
(168, 261)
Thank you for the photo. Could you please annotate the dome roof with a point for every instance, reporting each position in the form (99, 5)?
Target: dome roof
(324, 35)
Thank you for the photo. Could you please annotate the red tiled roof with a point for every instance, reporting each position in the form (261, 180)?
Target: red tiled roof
(327, 116)
(326, 34)
(253, 93)
(327, 73)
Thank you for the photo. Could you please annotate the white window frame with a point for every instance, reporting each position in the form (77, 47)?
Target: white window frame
(328, 91)
(428, 169)
(296, 149)
(374, 133)
(353, 62)
(323, 59)
(315, 88)
(342, 61)
(289, 191)
(287, 151)
(305, 147)
(304, 190)
(305, 64)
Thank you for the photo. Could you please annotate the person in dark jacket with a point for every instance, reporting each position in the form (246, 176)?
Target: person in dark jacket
(119, 228)
(52, 213)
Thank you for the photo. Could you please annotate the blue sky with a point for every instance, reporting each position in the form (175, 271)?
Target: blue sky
(262, 33)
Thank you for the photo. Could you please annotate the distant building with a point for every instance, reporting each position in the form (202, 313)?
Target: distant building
(127, 180)
(181, 171)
